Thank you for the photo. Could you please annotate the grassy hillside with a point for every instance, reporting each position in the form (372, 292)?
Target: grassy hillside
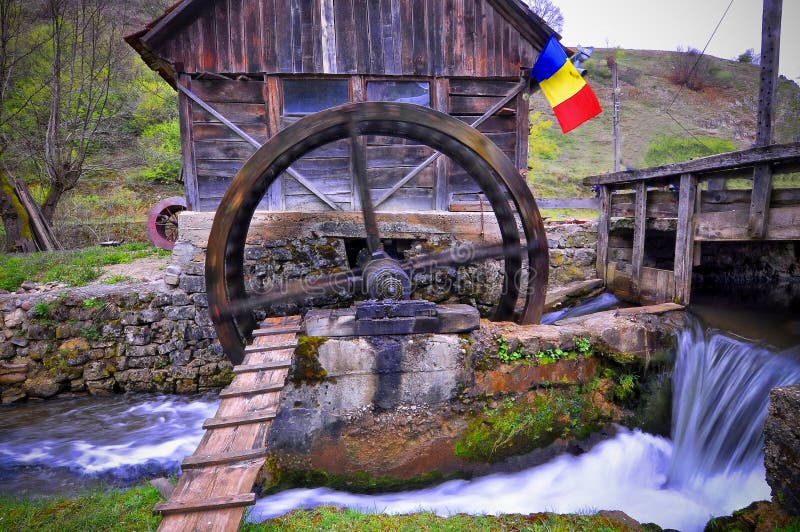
(725, 109)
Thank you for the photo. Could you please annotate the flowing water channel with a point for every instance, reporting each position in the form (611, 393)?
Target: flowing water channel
(711, 465)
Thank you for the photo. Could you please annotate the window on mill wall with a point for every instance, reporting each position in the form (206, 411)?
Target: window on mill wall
(306, 96)
(418, 92)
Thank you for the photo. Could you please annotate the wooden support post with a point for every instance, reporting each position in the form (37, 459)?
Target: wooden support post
(684, 239)
(767, 95)
(275, 196)
(187, 145)
(639, 229)
(441, 90)
(603, 227)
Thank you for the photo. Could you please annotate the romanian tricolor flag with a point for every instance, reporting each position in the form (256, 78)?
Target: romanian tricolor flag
(571, 98)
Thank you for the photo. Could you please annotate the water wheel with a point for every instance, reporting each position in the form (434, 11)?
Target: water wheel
(524, 252)
(162, 221)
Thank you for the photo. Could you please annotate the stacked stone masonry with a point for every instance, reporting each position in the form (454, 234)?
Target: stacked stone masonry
(157, 337)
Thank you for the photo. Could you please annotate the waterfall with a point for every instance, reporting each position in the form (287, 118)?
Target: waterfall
(721, 388)
(712, 466)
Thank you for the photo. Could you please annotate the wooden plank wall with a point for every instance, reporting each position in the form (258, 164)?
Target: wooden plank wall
(461, 38)
(218, 152)
(254, 106)
(469, 99)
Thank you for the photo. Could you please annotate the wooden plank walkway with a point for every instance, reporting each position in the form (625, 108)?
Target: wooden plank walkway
(216, 481)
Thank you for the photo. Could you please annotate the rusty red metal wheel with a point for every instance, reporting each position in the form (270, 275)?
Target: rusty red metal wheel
(524, 252)
(162, 222)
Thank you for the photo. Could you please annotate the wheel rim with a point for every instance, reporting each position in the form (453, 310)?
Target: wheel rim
(162, 221)
(491, 169)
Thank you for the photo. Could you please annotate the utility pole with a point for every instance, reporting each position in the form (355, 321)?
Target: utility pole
(767, 93)
(612, 64)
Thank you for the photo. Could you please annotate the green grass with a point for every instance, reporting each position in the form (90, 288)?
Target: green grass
(74, 268)
(111, 510)
(329, 518)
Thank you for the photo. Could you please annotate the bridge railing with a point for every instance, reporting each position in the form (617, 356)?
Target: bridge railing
(691, 199)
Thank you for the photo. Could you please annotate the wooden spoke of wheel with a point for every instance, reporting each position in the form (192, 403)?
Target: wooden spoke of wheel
(494, 173)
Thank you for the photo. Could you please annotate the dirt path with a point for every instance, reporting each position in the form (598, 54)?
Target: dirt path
(145, 269)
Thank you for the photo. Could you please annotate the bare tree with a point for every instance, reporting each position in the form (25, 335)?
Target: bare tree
(549, 12)
(86, 52)
(12, 52)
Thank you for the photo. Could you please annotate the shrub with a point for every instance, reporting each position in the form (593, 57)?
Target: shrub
(747, 56)
(690, 69)
(160, 145)
(667, 149)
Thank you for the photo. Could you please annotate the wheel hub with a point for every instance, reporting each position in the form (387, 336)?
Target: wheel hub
(385, 279)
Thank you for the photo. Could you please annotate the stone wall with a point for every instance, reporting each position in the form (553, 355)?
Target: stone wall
(401, 407)
(291, 245)
(158, 337)
(101, 340)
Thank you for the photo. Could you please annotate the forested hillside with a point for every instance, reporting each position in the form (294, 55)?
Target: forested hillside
(93, 134)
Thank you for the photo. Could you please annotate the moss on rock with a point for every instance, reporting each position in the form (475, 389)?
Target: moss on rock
(522, 424)
(307, 367)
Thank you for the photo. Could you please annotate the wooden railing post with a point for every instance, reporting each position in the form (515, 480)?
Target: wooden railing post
(639, 229)
(603, 227)
(767, 95)
(684, 239)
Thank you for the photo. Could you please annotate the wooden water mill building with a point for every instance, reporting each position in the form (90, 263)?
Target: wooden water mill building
(263, 64)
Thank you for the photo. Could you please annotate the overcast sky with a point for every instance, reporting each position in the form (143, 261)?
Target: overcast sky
(667, 24)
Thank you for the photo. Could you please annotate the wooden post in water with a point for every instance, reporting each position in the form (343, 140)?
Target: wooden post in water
(684, 239)
(767, 93)
(603, 227)
(639, 229)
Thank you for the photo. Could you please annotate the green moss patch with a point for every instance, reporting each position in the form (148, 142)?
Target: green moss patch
(361, 482)
(521, 425)
(306, 367)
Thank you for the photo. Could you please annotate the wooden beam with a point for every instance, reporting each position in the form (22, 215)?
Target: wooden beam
(187, 145)
(251, 368)
(204, 460)
(257, 416)
(603, 227)
(277, 330)
(684, 239)
(767, 97)
(784, 224)
(264, 388)
(639, 229)
(441, 91)
(212, 503)
(276, 199)
(775, 153)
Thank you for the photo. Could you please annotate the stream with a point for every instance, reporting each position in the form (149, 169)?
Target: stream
(711, 465)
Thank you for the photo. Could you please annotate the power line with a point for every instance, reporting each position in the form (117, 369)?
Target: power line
(691, 71)
(702, 53)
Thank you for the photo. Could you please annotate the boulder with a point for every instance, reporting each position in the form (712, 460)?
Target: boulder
(42, 385)
(782, 447)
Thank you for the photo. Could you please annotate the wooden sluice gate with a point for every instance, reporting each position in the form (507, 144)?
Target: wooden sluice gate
(216, 481)
(691, 200)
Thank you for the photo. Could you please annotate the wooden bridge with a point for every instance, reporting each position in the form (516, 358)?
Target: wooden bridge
(216, 481)
(691, 199)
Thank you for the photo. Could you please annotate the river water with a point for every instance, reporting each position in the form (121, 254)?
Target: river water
(65, 445)
(711, 465)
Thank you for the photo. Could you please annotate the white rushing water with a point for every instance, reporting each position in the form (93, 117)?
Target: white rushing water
(714, 467)
(120, 437)
(604, 301)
